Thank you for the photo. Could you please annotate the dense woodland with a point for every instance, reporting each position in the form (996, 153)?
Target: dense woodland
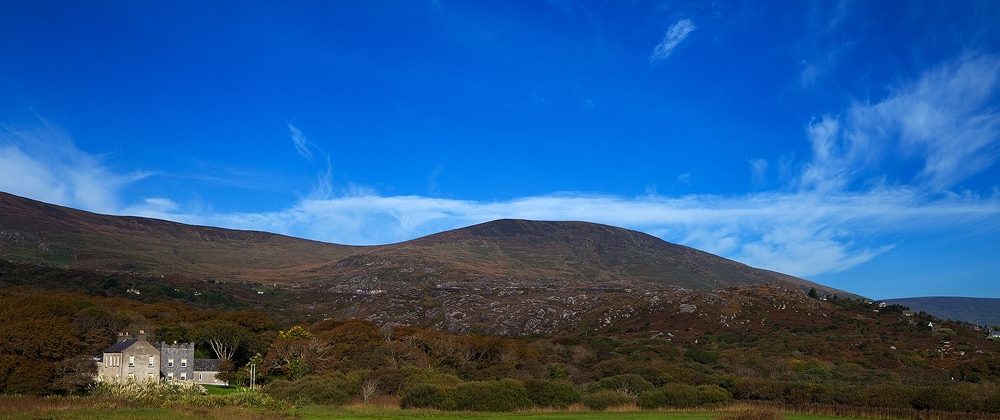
(49, 338)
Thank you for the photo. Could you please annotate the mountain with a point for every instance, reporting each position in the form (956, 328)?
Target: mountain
(505, 276)
(979, 311)
(37, 232)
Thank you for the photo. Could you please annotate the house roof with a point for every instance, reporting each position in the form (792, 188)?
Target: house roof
(121, 346)
(209, 365)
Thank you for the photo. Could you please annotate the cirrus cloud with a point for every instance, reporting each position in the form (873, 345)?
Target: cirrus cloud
(674, 36)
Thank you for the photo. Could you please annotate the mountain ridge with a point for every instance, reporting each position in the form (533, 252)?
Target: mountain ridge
(66, 237)
(507, 276)
(974, 310)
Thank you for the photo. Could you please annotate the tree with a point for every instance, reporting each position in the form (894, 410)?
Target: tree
(368, 389)
(73, 376)
(295, 353)
(172, 333)
(223, 337)
(813, 293)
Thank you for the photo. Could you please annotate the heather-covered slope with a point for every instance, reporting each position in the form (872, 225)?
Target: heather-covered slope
(36, 232)
(500, 277)
(519, 250)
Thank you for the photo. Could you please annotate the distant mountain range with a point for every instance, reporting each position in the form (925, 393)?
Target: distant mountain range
(979, 311)
(505, 276)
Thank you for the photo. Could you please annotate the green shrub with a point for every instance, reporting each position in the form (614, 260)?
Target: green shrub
(330, 389)
(158, 394)
(558, 371)
(807, 393)
(705, 357)
(551, 394)
(394, 380)
(682, 395)
(424, 396)
(505, 395)
(602, 400)
(713, 394)
(627, 384)
(936, 398)
(671, 395)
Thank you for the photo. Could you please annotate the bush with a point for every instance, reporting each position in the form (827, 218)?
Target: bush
(158, 394)
(551, 394)
(558, 371)
(603, 400)
(505, 395)
(331, 389)
(424, 396)
(704, 357)
(681, 395)
(935, 398)
(395, 380)
(626, 384)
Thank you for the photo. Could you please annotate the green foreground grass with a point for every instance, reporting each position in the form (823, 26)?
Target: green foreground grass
(221, 390)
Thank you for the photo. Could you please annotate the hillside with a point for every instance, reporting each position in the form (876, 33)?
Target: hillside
(979, 311)
(504, 277)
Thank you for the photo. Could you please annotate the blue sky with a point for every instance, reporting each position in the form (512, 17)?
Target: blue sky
(852, 143)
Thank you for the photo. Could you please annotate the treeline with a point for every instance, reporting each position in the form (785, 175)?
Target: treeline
(48, 342)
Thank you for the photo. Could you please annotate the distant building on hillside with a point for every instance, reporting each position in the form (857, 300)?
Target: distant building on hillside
(135, 359)
(994, 334)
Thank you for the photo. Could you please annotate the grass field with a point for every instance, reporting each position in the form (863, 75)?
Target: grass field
(220, 390)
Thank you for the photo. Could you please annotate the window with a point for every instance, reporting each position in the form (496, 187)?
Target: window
(131, 361)
(183, 376)
(151, 361)
(170, 376)
(201, 377)
(150, 376)
(184, 362)
(131, 376)
(170, 362)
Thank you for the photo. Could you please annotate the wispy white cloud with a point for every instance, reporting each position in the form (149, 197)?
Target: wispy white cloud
(758, 171)
(676, 34)
(945, 118)
(802, 233)
(152, 205)
(300, 141)
(685, 178)
(42, 161)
